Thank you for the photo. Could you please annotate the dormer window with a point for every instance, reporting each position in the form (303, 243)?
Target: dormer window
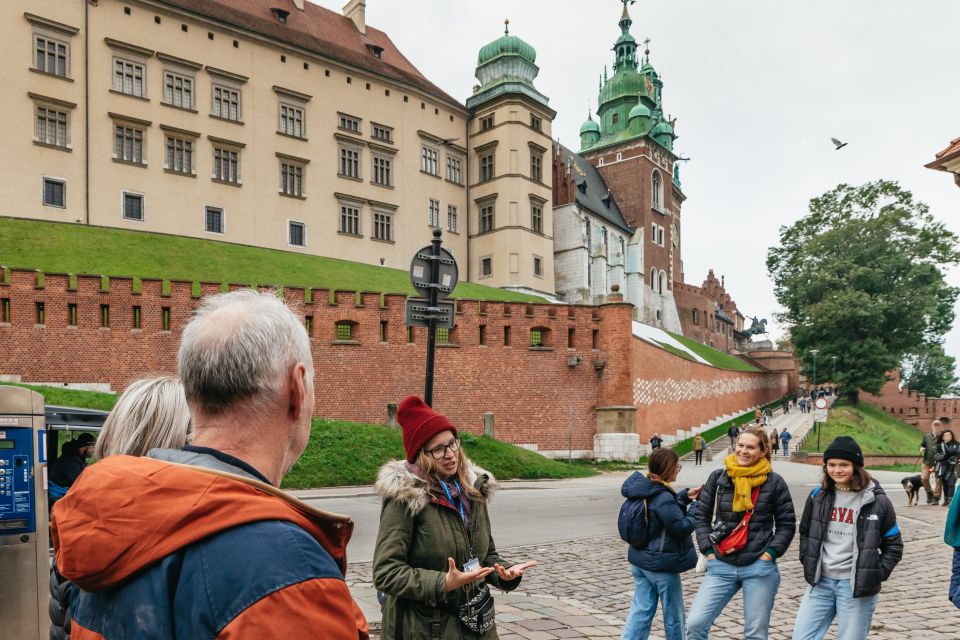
(582, 186)
(281, 14)
(375, 50)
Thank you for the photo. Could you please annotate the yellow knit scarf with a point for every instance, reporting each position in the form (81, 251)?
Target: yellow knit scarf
(745, 479)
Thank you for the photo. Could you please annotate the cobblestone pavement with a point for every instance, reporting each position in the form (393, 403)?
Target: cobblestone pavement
(583, 588)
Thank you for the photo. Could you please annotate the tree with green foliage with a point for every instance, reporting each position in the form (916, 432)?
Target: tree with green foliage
(930, 371)
(861, 277)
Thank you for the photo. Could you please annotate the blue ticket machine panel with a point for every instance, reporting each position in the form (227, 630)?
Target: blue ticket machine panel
(17, 500)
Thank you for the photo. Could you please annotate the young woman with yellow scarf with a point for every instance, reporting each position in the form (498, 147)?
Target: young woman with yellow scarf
(726, 497)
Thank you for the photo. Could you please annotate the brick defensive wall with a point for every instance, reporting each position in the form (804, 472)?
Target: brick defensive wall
(910, 406)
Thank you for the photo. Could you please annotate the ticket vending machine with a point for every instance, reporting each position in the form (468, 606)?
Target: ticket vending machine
(24, 527)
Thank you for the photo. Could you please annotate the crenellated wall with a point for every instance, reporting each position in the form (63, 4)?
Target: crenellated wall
(912, 407)
(487, 365)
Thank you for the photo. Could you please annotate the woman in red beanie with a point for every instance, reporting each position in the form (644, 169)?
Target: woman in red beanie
(435, 555)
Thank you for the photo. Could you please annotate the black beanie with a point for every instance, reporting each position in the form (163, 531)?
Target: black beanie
(844, 448)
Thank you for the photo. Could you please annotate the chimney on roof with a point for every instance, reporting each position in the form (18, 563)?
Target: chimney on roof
(356, 10)
(299, 4)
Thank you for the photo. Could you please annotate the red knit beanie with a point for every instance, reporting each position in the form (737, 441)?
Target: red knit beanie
(419, 423)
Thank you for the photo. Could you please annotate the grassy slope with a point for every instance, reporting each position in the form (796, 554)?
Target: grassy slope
(714, 356)
(56, 247)
(874, 431)
(60, 397)
(686, 446)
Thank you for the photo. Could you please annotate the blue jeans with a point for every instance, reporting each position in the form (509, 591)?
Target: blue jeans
(830, 599)
(651, 586)
(759, 581)
(786, 449)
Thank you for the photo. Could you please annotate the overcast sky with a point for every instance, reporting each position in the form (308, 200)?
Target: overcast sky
(758, 87)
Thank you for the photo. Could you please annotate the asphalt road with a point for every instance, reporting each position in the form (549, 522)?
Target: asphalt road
(529, 513)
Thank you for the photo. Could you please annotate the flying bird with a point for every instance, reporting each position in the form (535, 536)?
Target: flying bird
(838, 144)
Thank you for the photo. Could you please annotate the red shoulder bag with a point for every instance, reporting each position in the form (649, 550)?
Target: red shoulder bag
(737, 539)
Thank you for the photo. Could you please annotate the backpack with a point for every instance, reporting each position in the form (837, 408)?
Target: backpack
(634, 522)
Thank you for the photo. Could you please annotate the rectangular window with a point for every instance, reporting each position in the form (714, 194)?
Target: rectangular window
(5, 310)
(165, 318)
(133, 206)
(536, 166)
(486, 122)
(482, 337)
(536, 122)
(105, 315)
(291, 179)
(349, 220)
(660, 236)
(430, 160)
(571, 333)
(409, 335)
(51, 126)
(54, 193)
(382, 171)
(51, 56)
(213, 220)
(72, 314)
(226, 165)
(653, 232)
(454, 170)
(349, 123)
(433, 212)
(536, 337)
(486, 267)
(291, 120)
(308, 325)
(380, 132)
(443, 335)
(41, 313)
(486, 218)
(226, 103)
(128, 143)
(136, 317)
(453, 221)
(486, 167)
(383, 226)
(536, 217)
(128, 78)
(383, 331)
(344, 331)
(506, 336)
(179, 155)
(297, 234)
(538, 266)
(349, 162)
(595, 339)
(178, 90)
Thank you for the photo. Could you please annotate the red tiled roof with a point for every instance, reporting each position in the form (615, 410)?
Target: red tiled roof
(319, 30)
(949, 153)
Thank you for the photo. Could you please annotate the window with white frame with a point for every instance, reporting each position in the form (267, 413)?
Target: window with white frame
(430, 160)
(51, 125)
(486, 267)
(129, 77)
(291, 120)
(453, 219)
(653, 279)
(179, 156)
(291, 178)
(656, 190)
(486, 218)
(536, 216)
(349, 219)
(660, 235)
(381, 132)
(226, 164)
(226, 103)
(128, 143)
(177, 90)
(662, 284)
(213, 221)
(433, 212)
(349, 162)
(454, 169)
(133, 206)
(383, 225)
(296, 234)
(55, 193)
(51, 55)
(536, 166)
(349, 123)
(538, 266)
(487, 166)
(382, 171)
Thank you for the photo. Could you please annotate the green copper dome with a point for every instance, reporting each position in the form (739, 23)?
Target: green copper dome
(589, 125)
(507, 45)
(663, 128)
(640, 111)
(624, 83)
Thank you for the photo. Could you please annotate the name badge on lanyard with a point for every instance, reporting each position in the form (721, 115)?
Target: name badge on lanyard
(473, 563)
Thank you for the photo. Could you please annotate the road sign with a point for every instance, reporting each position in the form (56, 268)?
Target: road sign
(418, 313)
(821, 403)
(420, 272)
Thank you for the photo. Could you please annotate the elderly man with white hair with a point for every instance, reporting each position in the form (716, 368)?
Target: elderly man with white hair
(199, 542)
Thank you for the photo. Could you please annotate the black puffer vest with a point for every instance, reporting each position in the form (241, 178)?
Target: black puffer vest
(61, 590)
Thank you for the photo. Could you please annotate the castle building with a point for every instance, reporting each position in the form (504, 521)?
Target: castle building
(948, 160)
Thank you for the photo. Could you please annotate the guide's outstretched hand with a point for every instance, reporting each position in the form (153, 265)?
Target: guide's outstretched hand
(456, 578)
(515, 571)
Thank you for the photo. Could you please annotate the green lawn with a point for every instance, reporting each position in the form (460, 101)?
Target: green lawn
(715, 357)
(874, 430)
(69, 248)
(903, 468)
(60, 397)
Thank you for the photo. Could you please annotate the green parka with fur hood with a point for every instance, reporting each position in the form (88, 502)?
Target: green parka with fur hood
(418, 532)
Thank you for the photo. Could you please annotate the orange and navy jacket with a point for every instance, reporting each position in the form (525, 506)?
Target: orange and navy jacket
(164, 550)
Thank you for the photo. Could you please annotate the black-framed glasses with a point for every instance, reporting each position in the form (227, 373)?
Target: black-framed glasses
(438, 453)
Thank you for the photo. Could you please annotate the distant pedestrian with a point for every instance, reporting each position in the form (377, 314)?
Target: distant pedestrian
(803, 404)
(767, 417)
(656, 566)
(698, 450)
(786, 405)
(774, 441)
(849, 544)
(928, 449)
(655, 442)
(733, 432)
(746, 488)
(785, 438)
(947, 452)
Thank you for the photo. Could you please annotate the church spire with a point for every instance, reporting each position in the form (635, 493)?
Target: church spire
(626, 46)
(625, 20)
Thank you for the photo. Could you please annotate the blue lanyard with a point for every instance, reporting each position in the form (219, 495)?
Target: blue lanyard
(463, 515)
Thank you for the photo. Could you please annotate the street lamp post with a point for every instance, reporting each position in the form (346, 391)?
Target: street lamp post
(814, 352)
(833, 378)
